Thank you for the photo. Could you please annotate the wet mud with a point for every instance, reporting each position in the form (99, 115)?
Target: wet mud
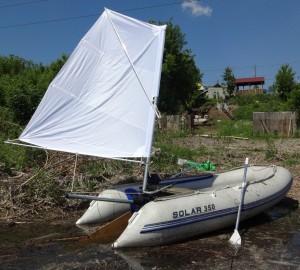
(269, 241)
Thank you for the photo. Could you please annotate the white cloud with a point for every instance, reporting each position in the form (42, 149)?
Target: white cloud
(196, 8)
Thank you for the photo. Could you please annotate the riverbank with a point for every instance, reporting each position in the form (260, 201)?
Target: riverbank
(38, 192)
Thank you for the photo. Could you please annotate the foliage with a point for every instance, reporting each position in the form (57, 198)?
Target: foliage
(294, 99)
(240, 128)
(257, 103)
(10, 157)
(271, 150)
(229, 79)
(284, 82)
(291, 159)
(23, 83)
(13, 65)
(166, 161)
(15, 157)
(180, 75)
(2, 96)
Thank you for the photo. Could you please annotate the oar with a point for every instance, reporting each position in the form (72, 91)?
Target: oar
(109, 232)
(235, 239)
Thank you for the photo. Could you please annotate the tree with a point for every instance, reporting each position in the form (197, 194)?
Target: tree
(2, 96)
(229, 79)
(284, 82)
(180, 75)
(23, 83)
(294, 99)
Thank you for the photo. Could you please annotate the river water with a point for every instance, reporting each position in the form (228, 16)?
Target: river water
(270, 241)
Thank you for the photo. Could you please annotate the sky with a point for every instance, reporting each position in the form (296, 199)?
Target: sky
(241, 34)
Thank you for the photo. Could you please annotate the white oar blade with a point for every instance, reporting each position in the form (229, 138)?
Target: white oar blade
(235, 239)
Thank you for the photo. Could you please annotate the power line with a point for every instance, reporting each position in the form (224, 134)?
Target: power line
(81, 16)
(5, 1)
(48, 21)
(22, 3)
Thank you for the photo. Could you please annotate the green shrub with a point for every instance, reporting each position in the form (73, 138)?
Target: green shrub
(271, 151)
(257, 103)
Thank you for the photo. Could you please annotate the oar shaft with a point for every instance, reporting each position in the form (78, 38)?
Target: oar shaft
(96, 198)
(242, 195)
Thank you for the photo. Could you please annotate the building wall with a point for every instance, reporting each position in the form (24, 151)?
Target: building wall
(250, 92)
(216, 92)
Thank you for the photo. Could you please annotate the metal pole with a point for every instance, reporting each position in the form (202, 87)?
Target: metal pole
(235, 239)
(131, 63)
(95, 198)
(147, 164)
(242, 195)
(155, 104)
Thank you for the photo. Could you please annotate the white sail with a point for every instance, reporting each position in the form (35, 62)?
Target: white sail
(101, 101)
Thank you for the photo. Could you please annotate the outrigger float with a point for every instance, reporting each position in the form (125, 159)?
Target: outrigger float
(103, 103)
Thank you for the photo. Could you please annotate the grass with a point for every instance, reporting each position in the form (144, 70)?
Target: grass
(271, 150)
(170, 151)
(44, 186)
(14, 157)
(241, 128)
(291, 159)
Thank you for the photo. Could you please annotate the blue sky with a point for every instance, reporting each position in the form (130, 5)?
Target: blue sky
(236, 33)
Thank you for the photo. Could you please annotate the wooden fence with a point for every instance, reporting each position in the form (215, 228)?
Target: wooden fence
(281, 123)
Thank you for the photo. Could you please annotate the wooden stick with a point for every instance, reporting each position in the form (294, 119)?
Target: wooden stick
(215, 136)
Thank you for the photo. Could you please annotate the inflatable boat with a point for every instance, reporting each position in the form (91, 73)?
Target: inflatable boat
(192, 206)
(180, 216)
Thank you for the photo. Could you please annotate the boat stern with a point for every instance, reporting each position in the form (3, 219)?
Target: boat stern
(101, 211)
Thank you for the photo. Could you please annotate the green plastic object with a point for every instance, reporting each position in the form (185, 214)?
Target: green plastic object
(204, 166)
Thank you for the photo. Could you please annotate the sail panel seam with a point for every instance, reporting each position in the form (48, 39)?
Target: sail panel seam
(132, 65)
(88, 105)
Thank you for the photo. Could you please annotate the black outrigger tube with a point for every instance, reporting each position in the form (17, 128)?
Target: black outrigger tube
(96, 198)
(139, 199)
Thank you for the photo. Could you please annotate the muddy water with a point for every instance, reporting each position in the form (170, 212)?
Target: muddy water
(270, 241)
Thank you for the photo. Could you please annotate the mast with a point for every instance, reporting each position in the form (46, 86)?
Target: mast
(148, 159)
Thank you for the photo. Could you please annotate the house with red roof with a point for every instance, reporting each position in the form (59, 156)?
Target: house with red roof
(250, 86)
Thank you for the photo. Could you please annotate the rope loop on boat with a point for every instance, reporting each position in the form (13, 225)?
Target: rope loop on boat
(266, 167)
(214, 192)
